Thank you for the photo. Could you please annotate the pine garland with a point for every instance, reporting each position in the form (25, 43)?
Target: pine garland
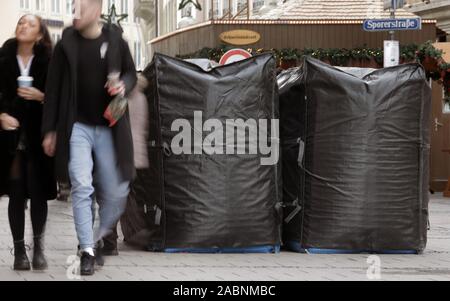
(426, 54)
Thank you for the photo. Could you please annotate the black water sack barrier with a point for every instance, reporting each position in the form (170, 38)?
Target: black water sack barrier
(355, 147)
(214, 182)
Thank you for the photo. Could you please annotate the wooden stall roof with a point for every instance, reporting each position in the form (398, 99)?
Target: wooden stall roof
(286, 34)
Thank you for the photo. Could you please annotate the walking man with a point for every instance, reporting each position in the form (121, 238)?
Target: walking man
(97, 159)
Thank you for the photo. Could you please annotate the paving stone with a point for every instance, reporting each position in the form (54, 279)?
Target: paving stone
(135, 265)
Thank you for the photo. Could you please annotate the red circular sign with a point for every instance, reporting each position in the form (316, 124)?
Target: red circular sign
(234, 55)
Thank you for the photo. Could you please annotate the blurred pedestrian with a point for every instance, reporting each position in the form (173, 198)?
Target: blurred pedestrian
(26, 171)
(91, 65)
(63, 192)
(139, 119)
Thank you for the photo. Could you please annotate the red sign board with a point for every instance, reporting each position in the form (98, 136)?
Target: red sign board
(234, 55)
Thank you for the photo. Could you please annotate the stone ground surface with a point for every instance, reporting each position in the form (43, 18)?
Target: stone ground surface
(132, 264)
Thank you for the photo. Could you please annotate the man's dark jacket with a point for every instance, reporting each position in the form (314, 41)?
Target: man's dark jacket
(60, 108)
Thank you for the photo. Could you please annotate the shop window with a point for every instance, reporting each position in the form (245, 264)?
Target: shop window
(25, 4)
(187, 11)
(69, 7)
(124, 9)
(110, 3)
(257, 4)
(137, 55)
(56, 6)
(40, 5)
(56, 37)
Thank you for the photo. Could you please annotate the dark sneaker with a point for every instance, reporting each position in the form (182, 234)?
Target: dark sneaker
(110, 246)
(110, 252)
(99, 256)
(87, 264)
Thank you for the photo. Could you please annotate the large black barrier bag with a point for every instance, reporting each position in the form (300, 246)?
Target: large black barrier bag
(209, 188)
(355, 146)
(138, 230)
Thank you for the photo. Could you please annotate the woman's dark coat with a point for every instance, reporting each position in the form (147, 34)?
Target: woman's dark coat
(29, 114)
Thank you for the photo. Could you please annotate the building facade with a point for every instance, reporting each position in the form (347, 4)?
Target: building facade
(162, 17)
(434, 9)
(169, 18)
(57, 14)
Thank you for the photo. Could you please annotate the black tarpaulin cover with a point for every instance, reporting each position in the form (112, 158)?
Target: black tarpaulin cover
(202, 200)
(138, 230)
(362, 183)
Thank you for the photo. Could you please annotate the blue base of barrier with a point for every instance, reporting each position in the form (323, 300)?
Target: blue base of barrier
(296, 247)
(255, 249)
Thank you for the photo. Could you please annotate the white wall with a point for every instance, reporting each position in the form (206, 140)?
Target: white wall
(9, 15)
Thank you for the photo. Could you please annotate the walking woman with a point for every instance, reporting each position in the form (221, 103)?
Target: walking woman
(28, 171)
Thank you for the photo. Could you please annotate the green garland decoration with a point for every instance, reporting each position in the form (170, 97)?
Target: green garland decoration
(426, 54)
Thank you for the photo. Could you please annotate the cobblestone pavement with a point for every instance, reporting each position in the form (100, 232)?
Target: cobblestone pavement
(131, 264)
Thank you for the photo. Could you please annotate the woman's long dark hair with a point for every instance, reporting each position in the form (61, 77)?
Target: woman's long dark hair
(44, 45)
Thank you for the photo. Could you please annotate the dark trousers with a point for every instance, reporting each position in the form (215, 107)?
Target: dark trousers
(110, 241)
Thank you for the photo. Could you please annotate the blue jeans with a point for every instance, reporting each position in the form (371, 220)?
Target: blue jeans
(93, 167)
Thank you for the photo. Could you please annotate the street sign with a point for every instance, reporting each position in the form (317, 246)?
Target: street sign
(394, 4)
(234, 55)
(392, 24)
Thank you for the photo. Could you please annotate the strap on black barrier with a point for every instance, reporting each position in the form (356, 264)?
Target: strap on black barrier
(167, 150)
(301, 151)
(294, 212)
(158, 213)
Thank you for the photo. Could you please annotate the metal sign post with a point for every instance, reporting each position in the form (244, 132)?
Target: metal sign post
(392, 5)
(392, 32)
(391, 46)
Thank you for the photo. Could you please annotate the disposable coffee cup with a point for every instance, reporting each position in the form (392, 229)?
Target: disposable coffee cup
(25, 81)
